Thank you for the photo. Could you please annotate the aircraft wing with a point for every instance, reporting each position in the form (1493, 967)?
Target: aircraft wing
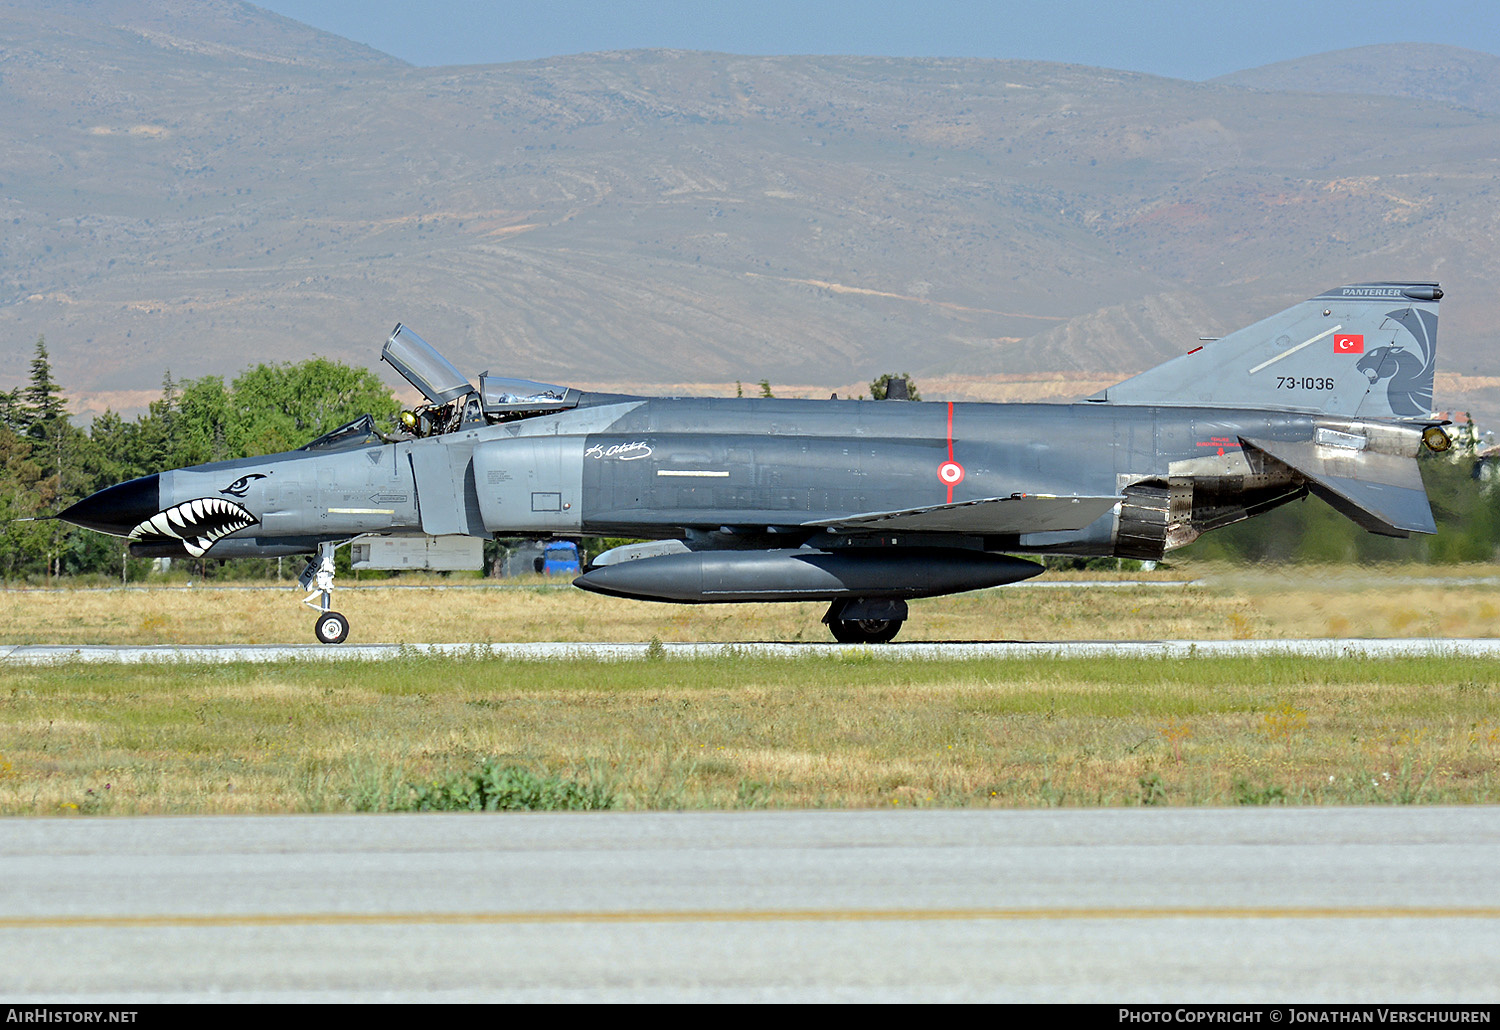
(1019, 513)
(1381, 492)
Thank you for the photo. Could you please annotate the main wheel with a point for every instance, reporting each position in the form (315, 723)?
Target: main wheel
(332, 628)
(865, 631)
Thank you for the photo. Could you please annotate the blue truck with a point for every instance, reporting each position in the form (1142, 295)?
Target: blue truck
(559, 558)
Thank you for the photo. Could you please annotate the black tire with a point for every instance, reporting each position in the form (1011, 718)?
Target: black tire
(865, 631)
(332, 628)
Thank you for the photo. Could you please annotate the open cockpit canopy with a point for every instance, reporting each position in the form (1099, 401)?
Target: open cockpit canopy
(452, 401)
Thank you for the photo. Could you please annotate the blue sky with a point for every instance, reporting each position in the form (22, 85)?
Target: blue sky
(1165, 37)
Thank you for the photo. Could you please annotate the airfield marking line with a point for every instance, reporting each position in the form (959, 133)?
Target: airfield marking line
(1373, 648)
(743, 916)
(1294, 350)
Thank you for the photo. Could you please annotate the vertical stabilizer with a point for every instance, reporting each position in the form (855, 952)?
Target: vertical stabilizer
(1366, 350)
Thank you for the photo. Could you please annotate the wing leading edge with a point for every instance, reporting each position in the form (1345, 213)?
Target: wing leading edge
(1019, 513)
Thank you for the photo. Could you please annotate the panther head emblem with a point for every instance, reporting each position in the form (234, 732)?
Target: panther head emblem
(1406, 367)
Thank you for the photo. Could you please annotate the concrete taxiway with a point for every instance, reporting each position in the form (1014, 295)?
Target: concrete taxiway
(1255, 905)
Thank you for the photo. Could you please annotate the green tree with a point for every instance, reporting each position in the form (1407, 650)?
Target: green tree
(59, 446)
(880, 388)
(26, 491)
(193, 422)
(154, 444)
(47, 462)
(12, 411)
(206, 429)
(281, 407)
(43, 397)
(114, 446)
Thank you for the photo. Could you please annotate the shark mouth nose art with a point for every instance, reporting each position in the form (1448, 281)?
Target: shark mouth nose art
(199, 524)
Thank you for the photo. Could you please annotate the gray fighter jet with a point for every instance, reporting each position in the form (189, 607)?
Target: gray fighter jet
(862, 504)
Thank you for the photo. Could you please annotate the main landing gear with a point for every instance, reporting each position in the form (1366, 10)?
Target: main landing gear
(860, 621)
(331, 627)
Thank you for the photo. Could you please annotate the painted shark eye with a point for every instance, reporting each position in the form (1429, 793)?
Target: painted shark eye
(239, 487)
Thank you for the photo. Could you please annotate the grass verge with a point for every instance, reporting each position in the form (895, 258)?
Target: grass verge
(1227, 604)
(739, 731)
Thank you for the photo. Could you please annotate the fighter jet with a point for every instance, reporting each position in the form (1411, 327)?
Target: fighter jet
(863, 504)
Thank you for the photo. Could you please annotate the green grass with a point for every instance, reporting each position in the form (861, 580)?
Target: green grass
(733, 731)
(494, 787)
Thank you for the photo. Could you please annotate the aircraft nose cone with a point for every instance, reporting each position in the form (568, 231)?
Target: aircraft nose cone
(117, 509)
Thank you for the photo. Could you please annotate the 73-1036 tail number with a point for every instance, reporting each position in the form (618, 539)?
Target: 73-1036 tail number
(1303, 383)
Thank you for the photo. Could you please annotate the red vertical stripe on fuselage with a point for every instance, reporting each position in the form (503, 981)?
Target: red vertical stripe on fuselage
(950, 446)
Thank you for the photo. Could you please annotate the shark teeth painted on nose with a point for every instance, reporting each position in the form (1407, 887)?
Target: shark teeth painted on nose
(199, 524)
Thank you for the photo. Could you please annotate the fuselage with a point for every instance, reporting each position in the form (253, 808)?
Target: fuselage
(675, 467)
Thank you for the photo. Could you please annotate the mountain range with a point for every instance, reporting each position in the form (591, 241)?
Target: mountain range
(195, 186)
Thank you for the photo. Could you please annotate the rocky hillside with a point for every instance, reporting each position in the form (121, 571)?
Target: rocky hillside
(1420, 71)
(200, 185)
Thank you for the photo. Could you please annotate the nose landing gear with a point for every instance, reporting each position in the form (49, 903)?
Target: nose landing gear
(331, 627)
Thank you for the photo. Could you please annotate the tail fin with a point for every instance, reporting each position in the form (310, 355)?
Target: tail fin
(1366, 350)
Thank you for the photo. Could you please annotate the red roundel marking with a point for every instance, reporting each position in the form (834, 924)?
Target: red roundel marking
(951, 473)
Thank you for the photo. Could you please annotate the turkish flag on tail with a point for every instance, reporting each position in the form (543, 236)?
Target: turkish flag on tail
(1347, 343)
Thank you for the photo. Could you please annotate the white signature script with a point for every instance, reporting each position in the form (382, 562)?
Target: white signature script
(621, 451)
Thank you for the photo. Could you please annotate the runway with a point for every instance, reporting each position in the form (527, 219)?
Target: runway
(1254, 905)
(1403, 647)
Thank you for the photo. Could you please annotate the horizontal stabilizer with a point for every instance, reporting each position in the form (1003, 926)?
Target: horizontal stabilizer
(1021, 513)
(1381, 492)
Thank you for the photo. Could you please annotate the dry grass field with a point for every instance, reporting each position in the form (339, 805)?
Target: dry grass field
(1219, 604)
(842, 730)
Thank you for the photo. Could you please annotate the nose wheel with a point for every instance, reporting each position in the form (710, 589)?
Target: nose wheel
(332, 628)
(317, 578)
